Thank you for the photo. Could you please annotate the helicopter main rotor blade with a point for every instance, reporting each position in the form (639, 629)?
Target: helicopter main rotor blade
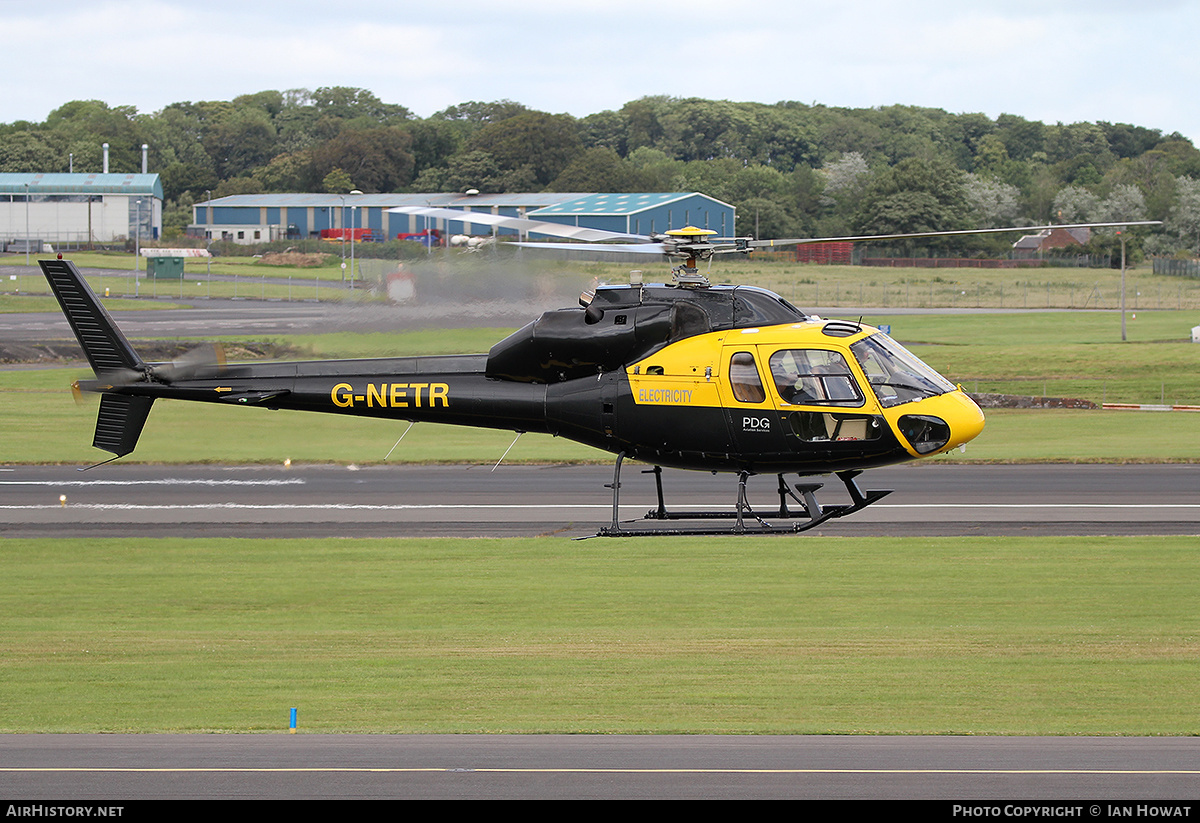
(620, 248)
(961, 232)
(518, 223)
(647, 246)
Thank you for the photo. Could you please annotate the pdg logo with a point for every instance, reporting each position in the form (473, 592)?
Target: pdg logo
(756, 424)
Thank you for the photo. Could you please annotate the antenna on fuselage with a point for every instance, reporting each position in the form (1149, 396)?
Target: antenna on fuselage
(411, 423)
(506, 451)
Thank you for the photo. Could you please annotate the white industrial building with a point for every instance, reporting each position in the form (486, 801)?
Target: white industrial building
(75, 210)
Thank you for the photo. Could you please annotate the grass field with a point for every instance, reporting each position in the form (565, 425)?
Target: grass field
(761, 635)
(193, 266)
(754, 635)
(138, 293)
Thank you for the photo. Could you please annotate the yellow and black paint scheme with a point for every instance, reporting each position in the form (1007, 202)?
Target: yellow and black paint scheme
(721, 378)
(734, 385)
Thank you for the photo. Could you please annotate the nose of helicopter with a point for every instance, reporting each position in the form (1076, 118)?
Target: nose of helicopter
(937, 424)
(965, 419)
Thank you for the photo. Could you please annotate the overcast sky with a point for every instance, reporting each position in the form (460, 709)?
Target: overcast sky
(1068, 61)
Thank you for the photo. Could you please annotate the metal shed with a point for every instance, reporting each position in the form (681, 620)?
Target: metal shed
(77, 209)
(259, 218)
(642, 213)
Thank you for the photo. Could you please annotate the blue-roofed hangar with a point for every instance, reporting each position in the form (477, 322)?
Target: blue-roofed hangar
(259, 218)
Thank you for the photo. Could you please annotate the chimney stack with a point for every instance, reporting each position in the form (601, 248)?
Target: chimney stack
(145, 148)
(106, 158)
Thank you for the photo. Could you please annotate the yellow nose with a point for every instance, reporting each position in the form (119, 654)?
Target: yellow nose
(965, 418)
(938, 424)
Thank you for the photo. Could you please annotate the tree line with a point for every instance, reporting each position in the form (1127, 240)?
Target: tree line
(791, 169)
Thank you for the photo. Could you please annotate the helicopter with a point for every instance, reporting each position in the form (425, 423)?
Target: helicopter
(683, 375)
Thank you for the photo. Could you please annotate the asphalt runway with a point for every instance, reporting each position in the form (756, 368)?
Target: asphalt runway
(1090, 775)
(573, 501)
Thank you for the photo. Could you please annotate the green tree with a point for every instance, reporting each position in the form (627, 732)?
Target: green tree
(179, 179)
(177, 215)
(763, 217)
(237, 185)
(1022, 138)
(377, 159)
(992, 160)
(1079, 151)
(1075, 204)
(845, 181)
(1180, 156)
(657, 171)
(347, 103)
(292, 172)
(479, 114)
(479, 170)
(473, 170)
(644, 117)
(177, 151)
(781, 137)
(696, 129)
(29, 152)
(434, 142)
(841, 133)
(992, 204)
(467, 118)
(606, 129)
(915, 195)
(271, 102)
(239, 139)
(337, 181)
(542, 143)
(1183, 223)
(1150, 173)
(93, 121)
(1126, 140)
(598, 169)
(1124, 202)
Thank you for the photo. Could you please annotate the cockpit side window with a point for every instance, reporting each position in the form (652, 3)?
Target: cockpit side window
(814, 377)
(744, 379)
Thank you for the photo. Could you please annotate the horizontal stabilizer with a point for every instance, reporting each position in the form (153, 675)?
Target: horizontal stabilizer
(120, 422)
(106, 348)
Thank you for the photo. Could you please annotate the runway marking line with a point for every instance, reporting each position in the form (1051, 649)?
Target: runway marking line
(607, 506)
(165, 481)
(467, 769)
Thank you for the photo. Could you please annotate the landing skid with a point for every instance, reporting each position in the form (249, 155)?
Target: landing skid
(746, 521)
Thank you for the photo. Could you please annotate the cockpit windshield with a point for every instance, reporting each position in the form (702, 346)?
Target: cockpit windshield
(896, 375)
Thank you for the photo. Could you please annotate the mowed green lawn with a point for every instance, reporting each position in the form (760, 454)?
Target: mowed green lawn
(755, 635)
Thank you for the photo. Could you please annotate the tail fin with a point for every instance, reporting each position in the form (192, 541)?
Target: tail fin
(106, 348)
(119, 424)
